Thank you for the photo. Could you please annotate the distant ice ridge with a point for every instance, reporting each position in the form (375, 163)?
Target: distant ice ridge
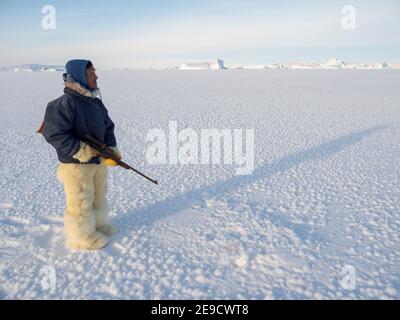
(334, 64)
(218, 64)
(331, 64)
(33, 67)
(338, 64)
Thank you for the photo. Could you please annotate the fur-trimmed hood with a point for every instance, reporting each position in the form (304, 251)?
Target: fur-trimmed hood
(76, 80)
(75, 70)
(75, 86)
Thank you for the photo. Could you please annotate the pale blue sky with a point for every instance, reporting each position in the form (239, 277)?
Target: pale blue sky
(141, 34)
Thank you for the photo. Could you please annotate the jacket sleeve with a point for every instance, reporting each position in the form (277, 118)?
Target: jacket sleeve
(109, 138)
(59, 119)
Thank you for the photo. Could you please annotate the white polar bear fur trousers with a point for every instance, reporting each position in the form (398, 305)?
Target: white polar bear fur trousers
(86, 214)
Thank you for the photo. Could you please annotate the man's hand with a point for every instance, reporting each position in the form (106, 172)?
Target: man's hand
(112, 162)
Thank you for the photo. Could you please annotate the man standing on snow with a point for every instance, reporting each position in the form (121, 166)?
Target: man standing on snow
(84, 174)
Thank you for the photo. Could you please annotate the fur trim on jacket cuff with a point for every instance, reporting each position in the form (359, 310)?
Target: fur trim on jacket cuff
(85, 153)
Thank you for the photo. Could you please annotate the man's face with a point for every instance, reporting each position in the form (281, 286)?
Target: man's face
(91, 77)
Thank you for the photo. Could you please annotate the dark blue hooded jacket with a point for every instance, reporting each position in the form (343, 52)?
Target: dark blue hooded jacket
(71, 116)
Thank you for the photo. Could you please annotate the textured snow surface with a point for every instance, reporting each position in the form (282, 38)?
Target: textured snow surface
(324, 197)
